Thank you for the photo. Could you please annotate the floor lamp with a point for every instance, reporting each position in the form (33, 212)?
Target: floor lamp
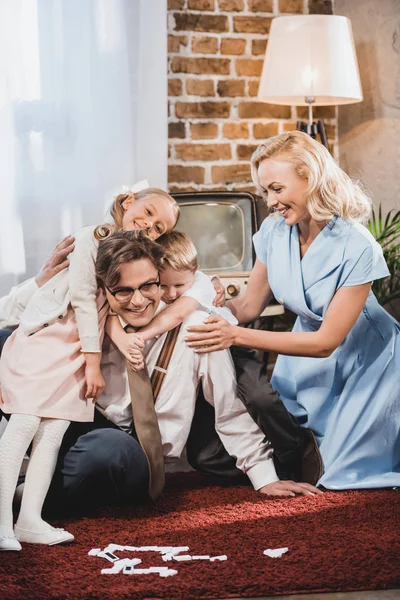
(310, 61)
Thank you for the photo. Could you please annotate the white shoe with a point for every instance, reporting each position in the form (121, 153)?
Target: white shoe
(10, 543)
(50, 537)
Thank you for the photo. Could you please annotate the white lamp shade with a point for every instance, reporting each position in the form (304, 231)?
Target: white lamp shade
(310, 56)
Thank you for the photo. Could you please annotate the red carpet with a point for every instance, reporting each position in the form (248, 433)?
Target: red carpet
(341, 541)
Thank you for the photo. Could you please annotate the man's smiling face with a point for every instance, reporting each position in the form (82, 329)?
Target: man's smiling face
(139, 311)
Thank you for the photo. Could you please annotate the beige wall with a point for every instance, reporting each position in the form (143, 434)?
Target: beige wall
(215, 56)
(369, 132)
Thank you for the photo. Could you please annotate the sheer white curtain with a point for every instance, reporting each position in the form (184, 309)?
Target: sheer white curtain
(83, 111)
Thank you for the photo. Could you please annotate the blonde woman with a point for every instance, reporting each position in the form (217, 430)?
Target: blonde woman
(338, 371)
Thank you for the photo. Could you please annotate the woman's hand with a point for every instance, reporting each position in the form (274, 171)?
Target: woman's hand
(219, 299)
(94, 382)
(56, 262)
(289, 488)
(214, 334)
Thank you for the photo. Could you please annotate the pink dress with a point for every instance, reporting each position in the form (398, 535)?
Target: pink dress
(44, 374)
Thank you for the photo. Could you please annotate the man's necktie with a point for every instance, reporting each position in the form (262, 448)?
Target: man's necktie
(146, 425)
(144, 393)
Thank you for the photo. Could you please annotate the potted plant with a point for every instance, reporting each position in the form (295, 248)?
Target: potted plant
(386, 231)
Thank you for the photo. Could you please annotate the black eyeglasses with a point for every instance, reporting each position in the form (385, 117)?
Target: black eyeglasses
(125, 294)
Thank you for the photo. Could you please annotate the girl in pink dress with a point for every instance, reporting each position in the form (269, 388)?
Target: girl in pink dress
(50, 366)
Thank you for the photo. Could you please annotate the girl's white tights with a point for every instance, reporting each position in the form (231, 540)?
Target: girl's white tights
(47, 436)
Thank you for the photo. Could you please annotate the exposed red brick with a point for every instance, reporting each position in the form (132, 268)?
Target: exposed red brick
(182, 173)
(291, 6)
(176, 130)
(262, 110)
(233, 46)
(173, 189)
(200, 87)
(251, 24)
(258, 47)
(244, 151)
(289, 126)
(202, 110)
(231, 87)
(201, 5)
(176, 41)
(203, 131)
(264, 130)
(199, 66)
(174, 87)
(205, 45)
(253, 87)
(231, 5)
(197, 22)
(236, 130)
(248, 187)
(192, 152)
(231, 173)
(261, 6)
(176, 4)
(320, 7)
(250, 67)
(319, 112)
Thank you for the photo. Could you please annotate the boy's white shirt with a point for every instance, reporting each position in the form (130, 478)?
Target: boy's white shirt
(76, 285)
(202, 290)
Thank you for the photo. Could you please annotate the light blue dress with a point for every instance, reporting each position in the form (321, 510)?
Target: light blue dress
(351, 400)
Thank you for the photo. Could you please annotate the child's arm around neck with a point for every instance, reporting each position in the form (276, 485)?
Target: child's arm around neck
(170, 317)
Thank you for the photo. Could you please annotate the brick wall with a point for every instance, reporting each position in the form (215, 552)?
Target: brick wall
(215, 56)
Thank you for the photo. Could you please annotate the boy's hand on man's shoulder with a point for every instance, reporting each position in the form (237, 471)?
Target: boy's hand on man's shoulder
(219, 299)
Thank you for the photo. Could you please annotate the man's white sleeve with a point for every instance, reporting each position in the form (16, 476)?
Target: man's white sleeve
(13, 305)
(240, 435)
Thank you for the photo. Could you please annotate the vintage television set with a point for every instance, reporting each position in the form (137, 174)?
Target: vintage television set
(221, 225)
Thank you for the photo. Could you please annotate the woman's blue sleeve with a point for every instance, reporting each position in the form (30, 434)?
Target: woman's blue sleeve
(262, 238)
(366, 267)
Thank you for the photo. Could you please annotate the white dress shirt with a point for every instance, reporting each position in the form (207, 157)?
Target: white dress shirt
(202, 290)
(176, 401)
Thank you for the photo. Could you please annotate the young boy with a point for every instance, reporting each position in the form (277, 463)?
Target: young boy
(184, 289)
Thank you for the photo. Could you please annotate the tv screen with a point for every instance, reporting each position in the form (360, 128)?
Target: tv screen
(221, 230)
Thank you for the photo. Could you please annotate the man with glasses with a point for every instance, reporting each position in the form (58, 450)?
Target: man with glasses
(103, 461)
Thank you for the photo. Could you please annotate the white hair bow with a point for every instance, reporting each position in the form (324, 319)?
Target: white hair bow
(137, 187)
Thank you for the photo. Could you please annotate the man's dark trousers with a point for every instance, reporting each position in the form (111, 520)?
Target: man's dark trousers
(205, 450)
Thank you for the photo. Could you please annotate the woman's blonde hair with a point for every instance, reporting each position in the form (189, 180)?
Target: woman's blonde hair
(330, 190)
(179, 251)
(117, 210)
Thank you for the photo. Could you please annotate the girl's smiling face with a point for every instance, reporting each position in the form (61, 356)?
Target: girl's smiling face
(284, 190)
(154, 213)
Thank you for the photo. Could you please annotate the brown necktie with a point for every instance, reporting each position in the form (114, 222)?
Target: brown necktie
(146, 425)
(144, 393)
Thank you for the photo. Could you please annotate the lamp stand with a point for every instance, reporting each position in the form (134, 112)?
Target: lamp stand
(311, 127)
